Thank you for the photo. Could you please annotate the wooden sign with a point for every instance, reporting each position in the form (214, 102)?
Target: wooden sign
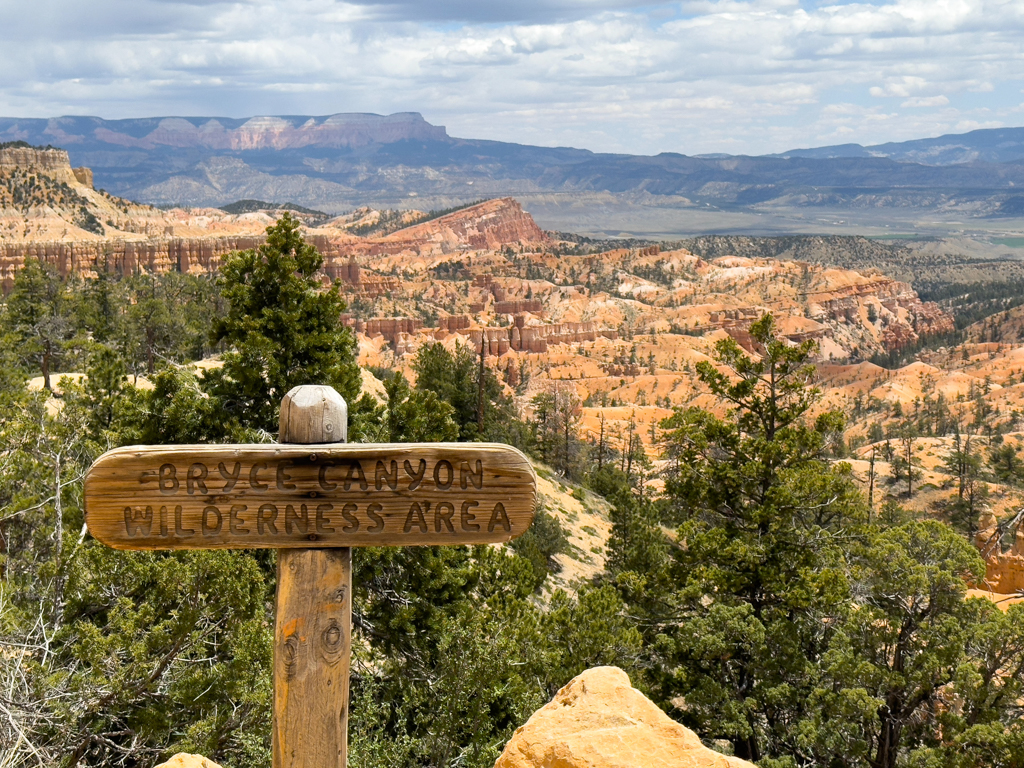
(312, 497)
(303, 496)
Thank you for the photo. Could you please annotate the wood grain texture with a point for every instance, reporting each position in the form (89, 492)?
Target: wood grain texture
(322, 495)
(312, 651)
(313, 414)
(313, 624)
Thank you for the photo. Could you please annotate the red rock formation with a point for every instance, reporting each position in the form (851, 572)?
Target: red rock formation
(453, 323)
(930, 318)
(843, 303)
(1004, 571)
(533, 306)
(492, 224)
(536, 338)
(388, 327)
(504, 301)
(158, 254)
(486, 282)
(346, 271)
(497, 340)
(53, 162)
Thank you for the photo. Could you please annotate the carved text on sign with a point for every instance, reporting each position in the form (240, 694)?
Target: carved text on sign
(214, 496)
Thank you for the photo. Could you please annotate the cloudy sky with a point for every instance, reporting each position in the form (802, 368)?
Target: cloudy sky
(737, 76)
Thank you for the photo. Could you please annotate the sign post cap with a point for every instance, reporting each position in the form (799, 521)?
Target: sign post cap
(313, 413)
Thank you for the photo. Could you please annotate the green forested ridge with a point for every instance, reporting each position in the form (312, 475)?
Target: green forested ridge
(758, 598)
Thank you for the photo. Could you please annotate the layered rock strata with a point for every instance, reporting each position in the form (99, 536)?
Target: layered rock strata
(491, 225)
(522, 337)
(124, 257)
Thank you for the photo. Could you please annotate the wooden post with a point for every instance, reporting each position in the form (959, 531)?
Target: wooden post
(313, 626)
(311, 498)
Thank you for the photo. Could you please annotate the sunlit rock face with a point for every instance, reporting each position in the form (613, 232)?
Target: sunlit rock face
(599, 720)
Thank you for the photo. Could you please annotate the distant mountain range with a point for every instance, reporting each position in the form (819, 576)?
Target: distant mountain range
(338, 162)
(989, 145)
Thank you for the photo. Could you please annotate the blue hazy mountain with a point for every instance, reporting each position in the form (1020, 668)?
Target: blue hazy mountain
(990, 145)
(339, 161)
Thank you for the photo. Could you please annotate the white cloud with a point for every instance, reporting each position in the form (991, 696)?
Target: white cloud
(717, 75)
(926, 101)
(902, 87)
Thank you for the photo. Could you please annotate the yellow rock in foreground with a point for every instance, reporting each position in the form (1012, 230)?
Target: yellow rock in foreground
(185, 760)
(599, 720)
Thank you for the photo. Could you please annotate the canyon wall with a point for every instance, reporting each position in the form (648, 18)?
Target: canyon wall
(124, 257)
(844, 302)
(521, 337)
(54, 163)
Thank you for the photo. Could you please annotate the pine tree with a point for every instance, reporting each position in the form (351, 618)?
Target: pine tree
(40, 311)
(761, 512)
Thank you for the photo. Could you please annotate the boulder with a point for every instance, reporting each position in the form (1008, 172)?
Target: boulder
(185, 760)
(599, 720)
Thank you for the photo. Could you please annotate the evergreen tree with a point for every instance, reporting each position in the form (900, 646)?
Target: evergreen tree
(282, 327)
(1006, 464)
(103, 306)
(761, 576)
(455, 378)
(151, 319)
(408, 416)
(964, 463)
(40, 311)
(557, 417)
(913, 665)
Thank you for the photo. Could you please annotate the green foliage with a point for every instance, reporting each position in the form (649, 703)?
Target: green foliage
(408, 415)
(455, 378)
(753, 598)
(39, 310)
(127, 657)
(456, 656)
(964, 464)
(186, 629)
(25, 188)
(761, 512)
(179, 409)
(458, 379)
(557, 416)
(124, 657)
(542, 541)
(783, 621)
(910, 636)
(167, 320)
(282, 327)
(1006, 464)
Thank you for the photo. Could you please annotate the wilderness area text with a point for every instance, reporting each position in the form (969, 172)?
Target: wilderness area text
(271, 496)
